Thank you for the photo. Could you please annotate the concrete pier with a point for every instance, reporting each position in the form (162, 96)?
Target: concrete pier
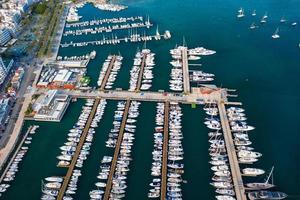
(107, 73)
(116, 153)
(233, 160)
(164, 171)
(139, 83)
(77, 152)
(185, 70)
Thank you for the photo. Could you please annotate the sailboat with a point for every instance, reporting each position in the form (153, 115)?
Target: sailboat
(282, 20)
(276, 35)
(253, 26)
(264, 18)
(264, 185)
(241, 13)
(254, 13)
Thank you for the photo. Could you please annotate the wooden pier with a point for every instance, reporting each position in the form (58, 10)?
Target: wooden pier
(15, 154)
(185, 70)
(163, 187)
(107, 73)
(139, 83)
(77, 152)
(116, 153)
(233, 160)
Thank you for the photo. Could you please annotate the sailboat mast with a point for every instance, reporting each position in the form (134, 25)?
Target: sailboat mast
(271, 174)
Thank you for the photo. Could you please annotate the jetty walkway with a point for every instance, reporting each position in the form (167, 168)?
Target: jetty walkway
(185, 70)
(164, 172)
(107, 73)
(233, 161)
(78, 149)
(194, 97)
(116, 153)
(139, 83)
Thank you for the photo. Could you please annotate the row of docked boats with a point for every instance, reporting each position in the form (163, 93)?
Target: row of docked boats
(116, 66)
(143, 63)
(200, 76)
(110, 7)
(119, 178)
(175, 166)
(176, 82)
(107, 29)
(97, 22)
(91, 55)
(178, 54)
(52, 185)
(13, 167)
(157, 153)
(105, 167)
(113, 39)
(246, 155)
(221, 180)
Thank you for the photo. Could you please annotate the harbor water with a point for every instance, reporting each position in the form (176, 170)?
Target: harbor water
(263, 70)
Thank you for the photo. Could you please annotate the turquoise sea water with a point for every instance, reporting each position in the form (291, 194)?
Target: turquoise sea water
(264, 71)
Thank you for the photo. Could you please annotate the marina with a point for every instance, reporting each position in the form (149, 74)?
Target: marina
(176, 132)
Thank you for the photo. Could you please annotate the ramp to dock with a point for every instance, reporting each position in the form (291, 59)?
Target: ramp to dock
(163, 188)
(77, 152)
(111, 64)
(233, 161)
(116, 153)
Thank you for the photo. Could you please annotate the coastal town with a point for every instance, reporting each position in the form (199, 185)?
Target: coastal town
(87, 76)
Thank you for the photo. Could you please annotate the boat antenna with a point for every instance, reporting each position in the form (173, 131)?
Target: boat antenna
(145, 45)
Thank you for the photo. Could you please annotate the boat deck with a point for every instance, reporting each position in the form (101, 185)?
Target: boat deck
(107, 73)
(77, 152)
(139, 83)
(233, 161)
(163, 188)
(116, 153)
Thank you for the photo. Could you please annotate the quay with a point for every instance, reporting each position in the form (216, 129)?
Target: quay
(107, 73)
(163, 189)
(233, 161)
(193, 97)
(139, 83)
(185, 70)
(77, 152)
(15, 154)
(117, 151)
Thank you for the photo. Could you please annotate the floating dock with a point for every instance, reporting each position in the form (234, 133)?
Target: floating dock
(107, 73)
(233, 161)
(77, 152)
(139, 83)
(185, 70)
(116, 154)
(163, 188)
